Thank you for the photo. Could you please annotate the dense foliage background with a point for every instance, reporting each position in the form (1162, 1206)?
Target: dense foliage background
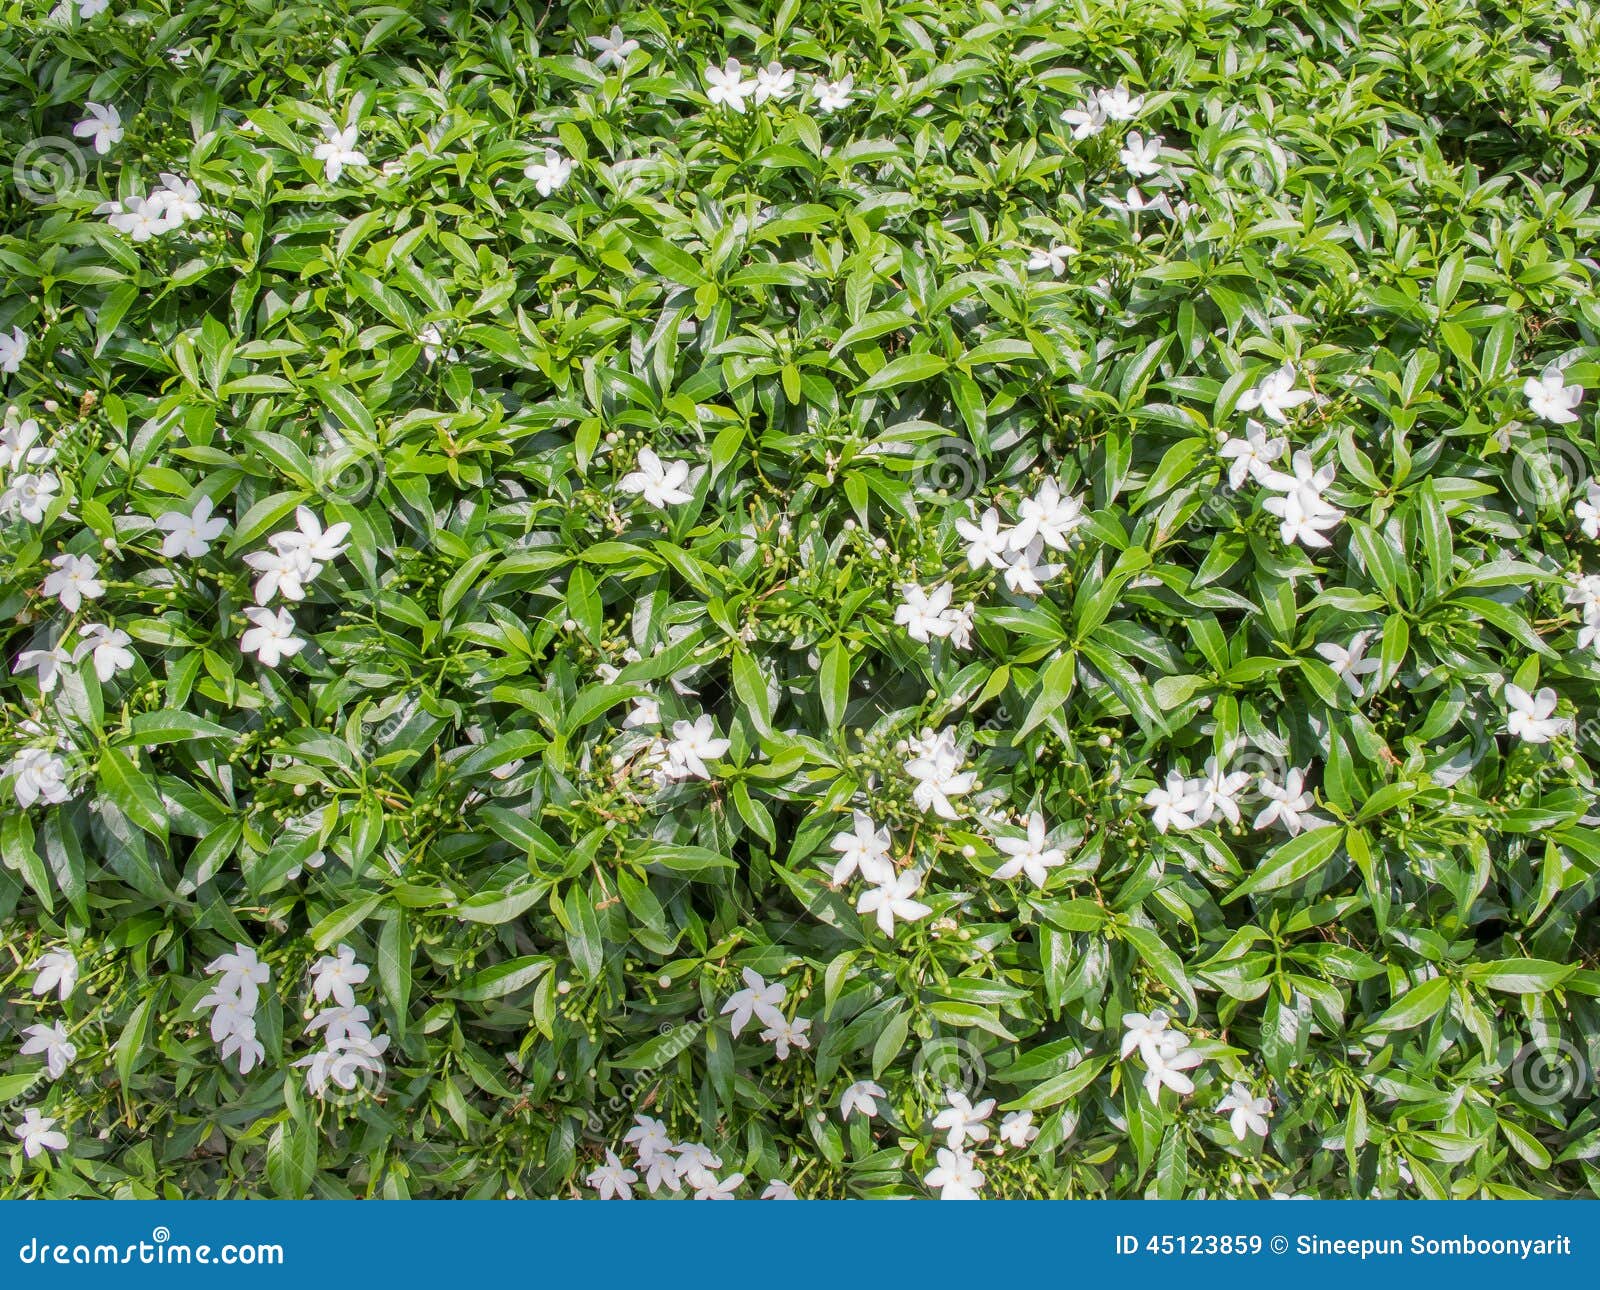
(314, 302)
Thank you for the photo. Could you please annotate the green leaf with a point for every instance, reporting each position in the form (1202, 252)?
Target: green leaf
(1293, 861)
(133, 791)
(1417, 1005)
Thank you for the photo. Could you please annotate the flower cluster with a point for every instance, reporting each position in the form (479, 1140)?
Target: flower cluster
(891, 893)
(233, 1000)
(1185, 802)
(729, 86)
(765, 1003)
(293, 559)
(56, 970)
(350, 1052)
(28, 489)
(671, 1169)
(163, 210)
(1166, 1052)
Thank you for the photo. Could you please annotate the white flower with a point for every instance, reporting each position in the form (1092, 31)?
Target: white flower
(1166, 1052)
(1088, 120)
(955, 1177)
(1550, 397)
(109, 646)
(774, 82)
(1017, 1128)
(1144, 1033)
(1164, 1066)
(1025, 574)
(179, 198)
(433, 344)
(308, 536)
(338, 151)
(962, 1120)
(922, 613)
(30, 495)
(1030, 855)
(694, 744)
(1253, 455)
(645, 712)
(1249, 1111)
(777, 1189)
(19, 442)
(729, 85)
(833, 95)
(551, 174)
(758, 999)
(695, 1163)
(1118, 105)
(1218, 792)
(660, 482)
(343, 1066)
(58, 971)
(103, 126)
(336, 976)
(38, 776)
(613, 50)
(861, 1096)
(718, 1188)
(241, 1042)
(649, 1138)
(52, 1042)
(937, 769)
(47, 663)
(1585, 593)
(986, 541)
(1141, 156)
(139, 217)
(866, 849)
(1288, 804)
(272, 637)
(1054, 258)
(1304, 480)
(190, 535)
(612, 1180)
(36, 1132)
(1176, 805)
(1586, 508)
(13, 349)
(1531, 715)
(1348, 664)
(76, 579)
(1275, 396)
(283, 573)
(1049, 516)
(1304, 518)
(242, 974)
(662, 1169)
(782, 1033)
(959, 623)
(892, 900)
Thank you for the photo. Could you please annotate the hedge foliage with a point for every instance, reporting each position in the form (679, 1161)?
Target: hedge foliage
(980, 601)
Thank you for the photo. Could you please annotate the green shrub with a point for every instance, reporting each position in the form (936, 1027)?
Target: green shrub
(1008, 605)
